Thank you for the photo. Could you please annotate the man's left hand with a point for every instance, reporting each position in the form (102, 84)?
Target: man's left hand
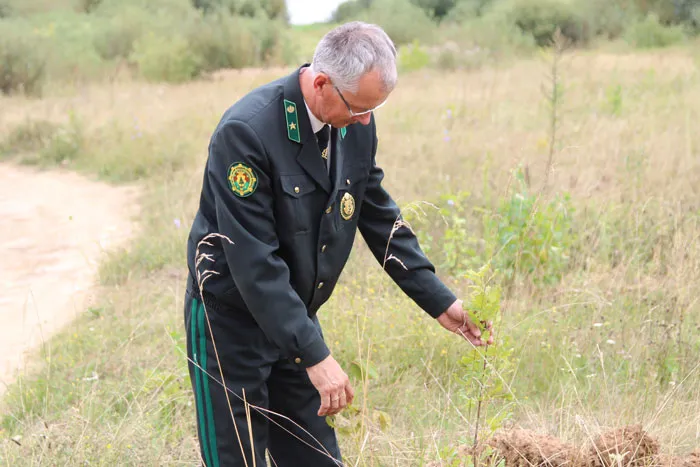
(455, 319)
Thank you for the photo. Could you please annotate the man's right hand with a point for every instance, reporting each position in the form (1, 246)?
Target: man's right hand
(332, 384)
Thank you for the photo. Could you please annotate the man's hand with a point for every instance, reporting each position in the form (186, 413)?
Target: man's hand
(332, 384)
(455, 319)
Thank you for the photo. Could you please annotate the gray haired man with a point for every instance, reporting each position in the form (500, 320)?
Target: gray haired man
(290, 178)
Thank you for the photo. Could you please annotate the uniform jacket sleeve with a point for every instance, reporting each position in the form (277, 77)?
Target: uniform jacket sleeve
(414, 274)
(260, 275)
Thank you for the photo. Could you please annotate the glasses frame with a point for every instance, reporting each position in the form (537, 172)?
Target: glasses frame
(353, 113)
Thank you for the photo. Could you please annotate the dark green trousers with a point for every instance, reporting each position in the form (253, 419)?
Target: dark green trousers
(271, 382)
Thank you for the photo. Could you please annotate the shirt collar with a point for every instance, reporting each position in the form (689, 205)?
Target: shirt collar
(316, 124)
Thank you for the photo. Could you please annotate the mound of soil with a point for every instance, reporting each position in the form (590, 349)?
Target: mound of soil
(525, 448)
(629, 446)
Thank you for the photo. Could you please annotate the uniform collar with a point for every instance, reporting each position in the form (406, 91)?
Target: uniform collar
(316, 124)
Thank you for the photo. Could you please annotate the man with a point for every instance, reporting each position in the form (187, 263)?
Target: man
(290, 177)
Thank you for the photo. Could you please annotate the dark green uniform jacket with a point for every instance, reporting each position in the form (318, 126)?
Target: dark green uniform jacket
(291, 226)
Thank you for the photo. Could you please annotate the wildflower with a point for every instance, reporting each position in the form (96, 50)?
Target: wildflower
(177, 223)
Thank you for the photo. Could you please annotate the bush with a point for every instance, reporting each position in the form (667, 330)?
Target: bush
(413, 57)
(166, 58)
(223, 41)
(5, 9)
(349, 10)
(491, 35)
(119, 32)
(274, 9)
(22, 65)
(467, 10)
(403, 21)
(534, 238)
(650, 33)
(29, 137)
(605, 18)
(541, 18)
(436, 8)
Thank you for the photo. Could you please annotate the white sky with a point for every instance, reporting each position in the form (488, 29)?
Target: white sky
(311, 11)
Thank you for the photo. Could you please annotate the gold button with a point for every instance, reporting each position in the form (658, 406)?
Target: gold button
(320, 285)
(329, 210)
(297, 360)
(296, 189)
(347, 181)
(323, 248)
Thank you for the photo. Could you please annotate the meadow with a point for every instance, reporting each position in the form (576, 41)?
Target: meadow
(574, 175)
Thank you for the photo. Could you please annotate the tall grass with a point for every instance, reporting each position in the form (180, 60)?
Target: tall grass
(600, 308)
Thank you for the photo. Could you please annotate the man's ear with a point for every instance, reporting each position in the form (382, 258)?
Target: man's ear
(320, 81)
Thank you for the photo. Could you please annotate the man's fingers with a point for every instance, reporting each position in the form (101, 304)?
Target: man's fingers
(335, 404)
(349, 393)
(464, 332)
(473, 328)
(343, 402)
(325, 404)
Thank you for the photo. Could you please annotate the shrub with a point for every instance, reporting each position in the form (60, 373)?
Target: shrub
(272, 45)
(30, 136)
(650, 33)
(436, 8)
(533, 237)
(166, 58)
(491, 35)
(222, 41)
(467, 10)
(605, 18)
(349, 10)
(117, 36)
(403, 21)
(22, 65)
(413, 57)
(541, 18)
(5, 9)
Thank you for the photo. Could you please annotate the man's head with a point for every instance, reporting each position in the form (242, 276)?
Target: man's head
(353, 72)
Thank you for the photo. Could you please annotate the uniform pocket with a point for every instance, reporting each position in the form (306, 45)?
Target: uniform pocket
(297, 207)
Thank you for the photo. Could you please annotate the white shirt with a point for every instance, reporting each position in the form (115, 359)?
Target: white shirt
(316, 126)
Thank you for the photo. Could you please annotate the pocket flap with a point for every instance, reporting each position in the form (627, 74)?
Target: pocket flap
(297, 185)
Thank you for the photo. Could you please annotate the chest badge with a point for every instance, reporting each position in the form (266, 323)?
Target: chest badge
(347, 206)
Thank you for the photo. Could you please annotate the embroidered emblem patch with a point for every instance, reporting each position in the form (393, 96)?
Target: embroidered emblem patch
(347, 206)
(242, 180)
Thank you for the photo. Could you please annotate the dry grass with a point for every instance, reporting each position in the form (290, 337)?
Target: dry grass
(627, 154)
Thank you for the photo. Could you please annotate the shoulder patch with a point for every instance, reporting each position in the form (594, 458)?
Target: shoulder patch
(242, 179)
(290, 113)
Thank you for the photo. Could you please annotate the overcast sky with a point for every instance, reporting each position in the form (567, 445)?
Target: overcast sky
(311, 11)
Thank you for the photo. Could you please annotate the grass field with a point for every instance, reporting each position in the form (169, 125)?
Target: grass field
(594, 234)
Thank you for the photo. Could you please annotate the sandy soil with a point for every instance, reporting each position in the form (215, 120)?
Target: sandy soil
(55, 227)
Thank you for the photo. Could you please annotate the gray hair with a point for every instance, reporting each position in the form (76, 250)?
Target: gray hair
(349, 51)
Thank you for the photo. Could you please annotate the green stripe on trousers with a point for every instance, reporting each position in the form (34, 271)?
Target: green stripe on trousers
(207, 394)
(198, 382)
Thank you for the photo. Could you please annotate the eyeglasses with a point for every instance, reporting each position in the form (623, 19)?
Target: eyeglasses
(352, 113)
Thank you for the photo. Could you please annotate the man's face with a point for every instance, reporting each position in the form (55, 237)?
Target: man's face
(340, 108)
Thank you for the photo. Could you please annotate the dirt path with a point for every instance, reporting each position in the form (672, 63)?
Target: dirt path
(54, 227)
